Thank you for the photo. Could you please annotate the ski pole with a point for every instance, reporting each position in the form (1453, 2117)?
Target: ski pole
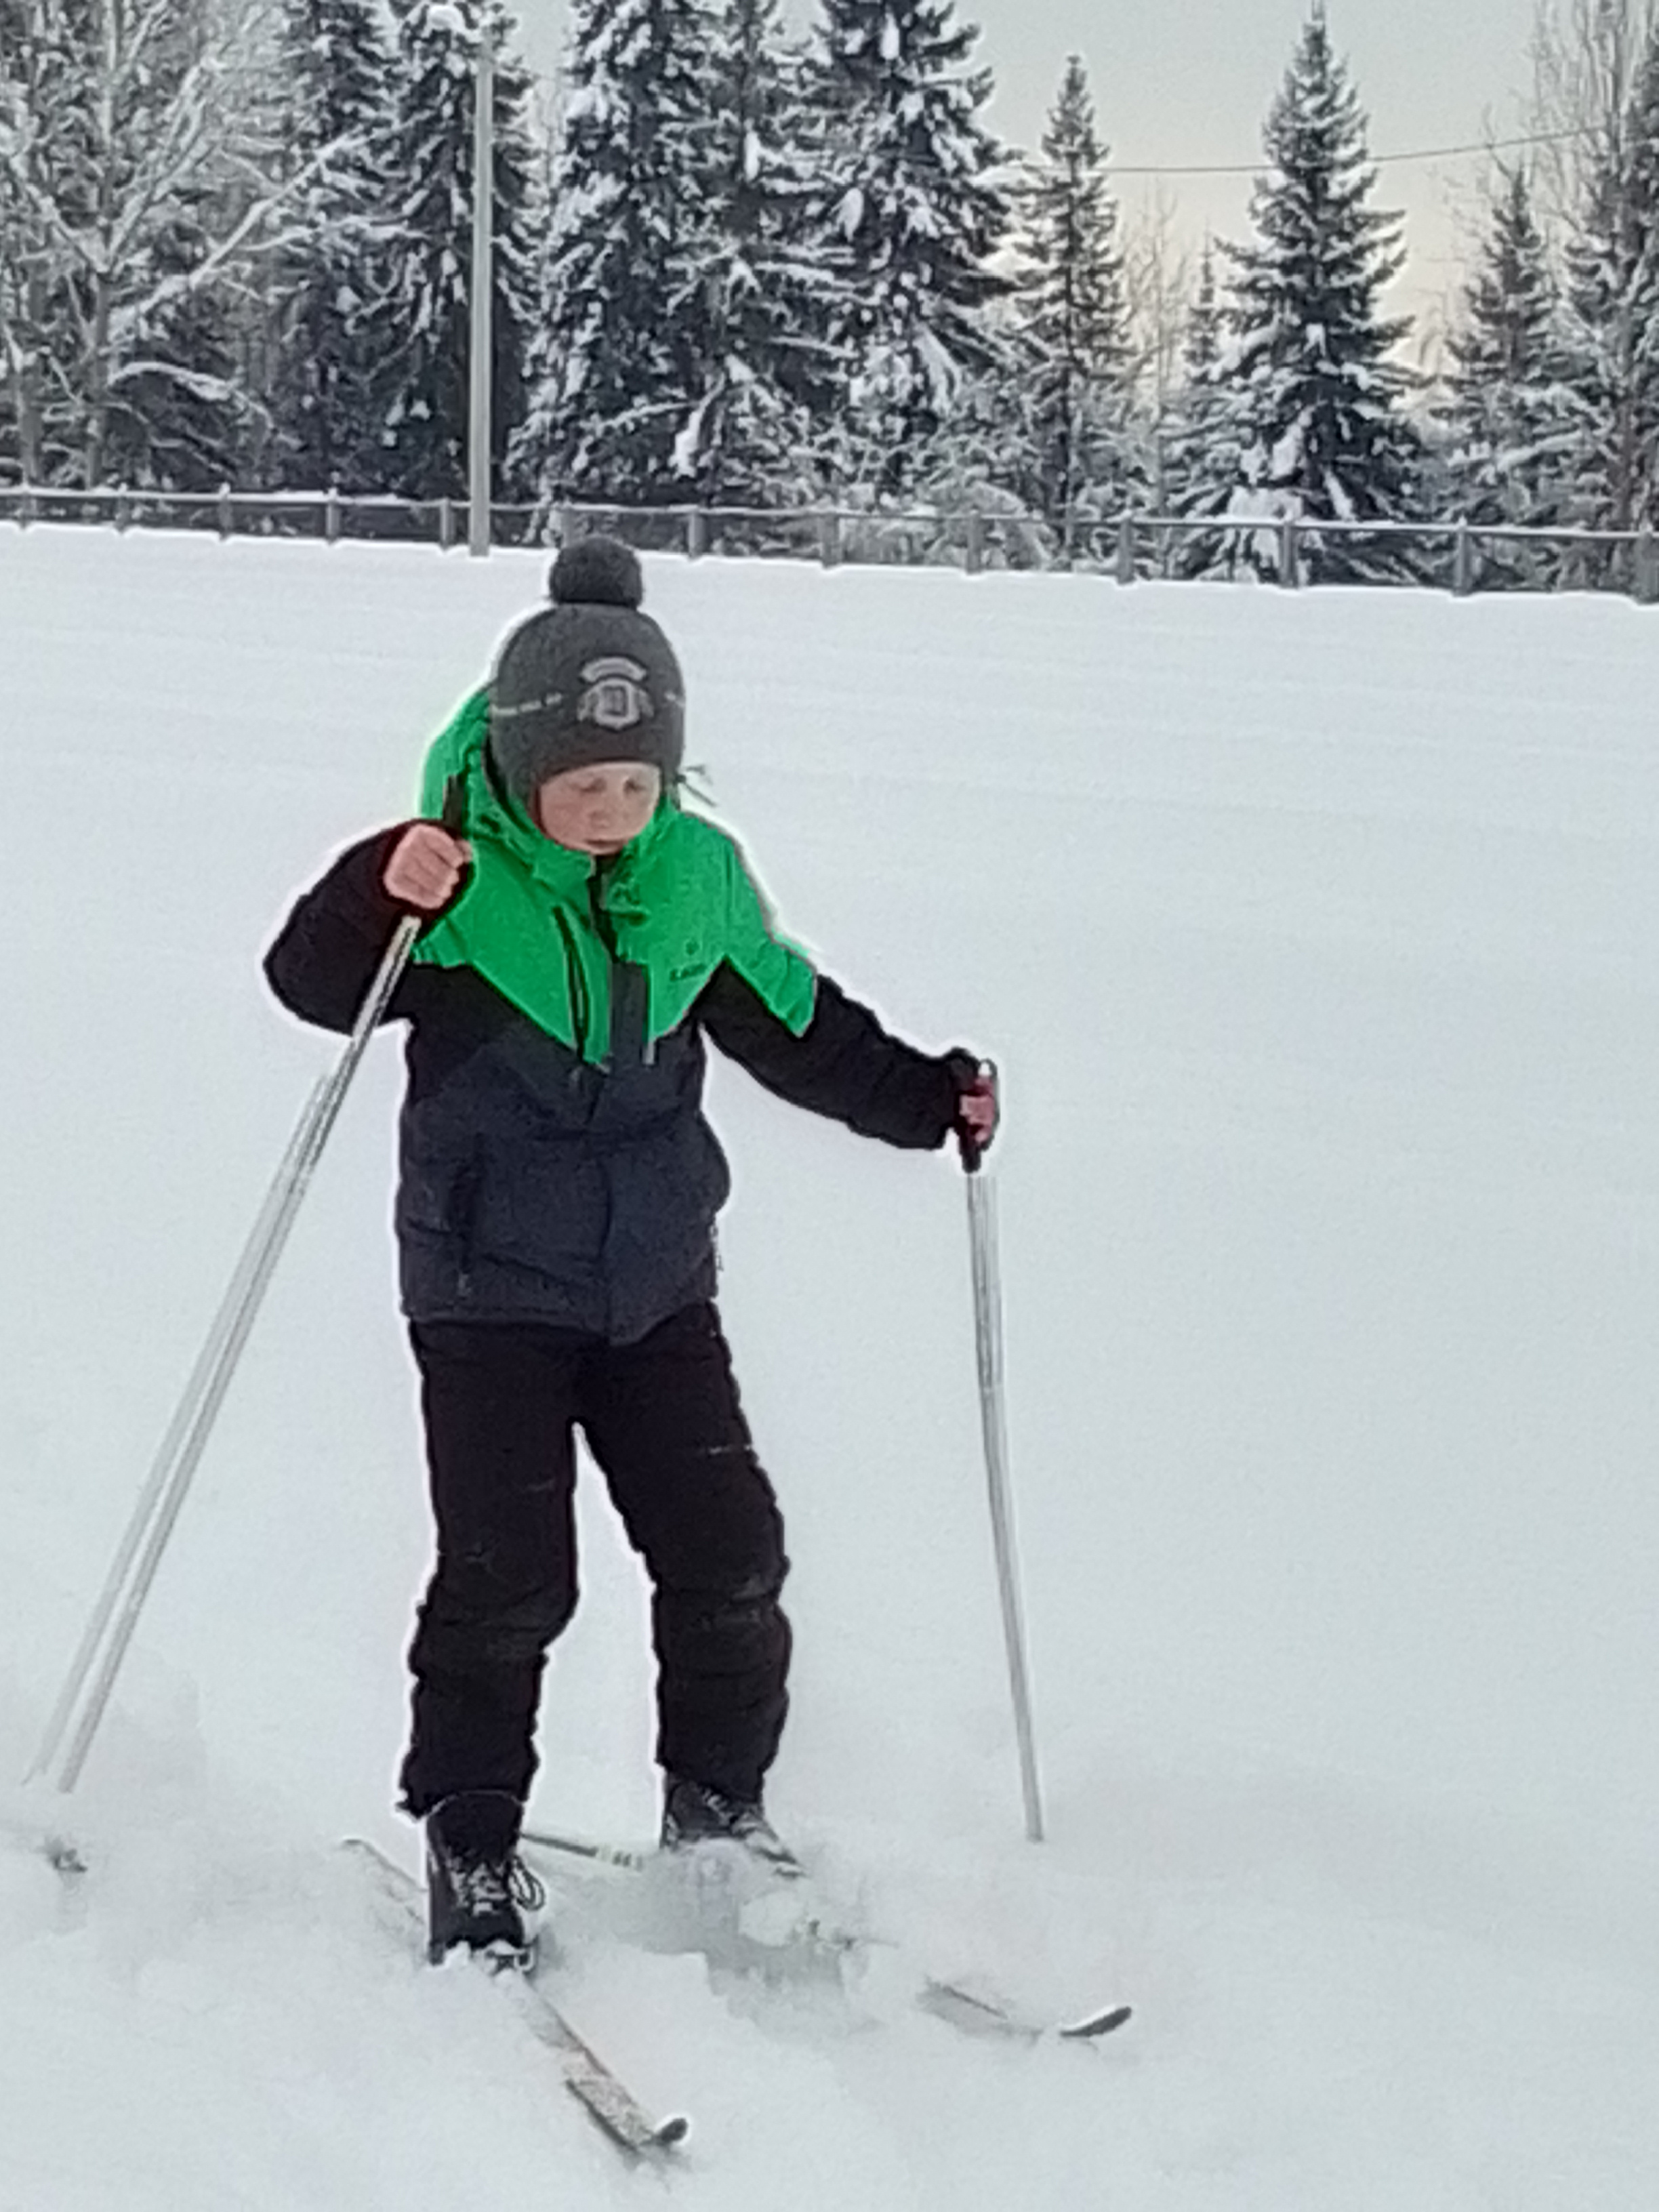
(994, 1428)
(156, 1484)
(132, 1572)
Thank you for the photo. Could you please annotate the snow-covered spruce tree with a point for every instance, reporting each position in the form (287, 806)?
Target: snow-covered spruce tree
(332, 342)
(1202, 462)
(422, 406)
(1613, 292)
(912, 208)
(1509, 421)
(766, 376)
(618, 369)
(978, 464)
(1070, 312)
(188, 414)
(1321, 432)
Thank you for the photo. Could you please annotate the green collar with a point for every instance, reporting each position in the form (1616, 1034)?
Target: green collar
(547, 926)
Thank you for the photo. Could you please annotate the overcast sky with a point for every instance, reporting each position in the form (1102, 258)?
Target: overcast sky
(1188, 82)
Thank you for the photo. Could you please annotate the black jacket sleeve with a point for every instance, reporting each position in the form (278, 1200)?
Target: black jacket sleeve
(845, 1065)
(329, 950)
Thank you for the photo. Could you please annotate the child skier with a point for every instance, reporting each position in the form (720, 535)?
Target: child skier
(555, 1209)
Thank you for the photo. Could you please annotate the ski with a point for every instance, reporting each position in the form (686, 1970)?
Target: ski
(967, 2009)
(589, 2080)
(981, 2015)
(623, 1857)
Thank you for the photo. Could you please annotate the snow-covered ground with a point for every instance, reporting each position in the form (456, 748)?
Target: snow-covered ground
(1317, 938)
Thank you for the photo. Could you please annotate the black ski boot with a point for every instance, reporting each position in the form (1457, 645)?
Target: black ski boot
(693, 1813)
(479, 1892)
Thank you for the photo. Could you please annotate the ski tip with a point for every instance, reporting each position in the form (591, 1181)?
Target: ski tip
(635, 2136)
(1098, 2024)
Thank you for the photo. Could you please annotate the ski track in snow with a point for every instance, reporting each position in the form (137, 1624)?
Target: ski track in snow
(1317, 937)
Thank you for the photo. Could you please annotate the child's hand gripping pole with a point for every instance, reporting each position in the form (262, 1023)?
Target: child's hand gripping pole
(978, 1108)
(977, 1111)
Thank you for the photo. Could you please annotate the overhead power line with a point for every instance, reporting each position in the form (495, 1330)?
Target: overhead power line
(1373, 160)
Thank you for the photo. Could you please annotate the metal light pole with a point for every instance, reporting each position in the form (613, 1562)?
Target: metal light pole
(483, 250)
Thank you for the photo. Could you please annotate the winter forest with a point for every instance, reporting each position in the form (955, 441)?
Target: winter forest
(737, 268)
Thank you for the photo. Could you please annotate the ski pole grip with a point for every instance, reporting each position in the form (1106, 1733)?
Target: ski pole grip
(453, 817)
(968, 1146)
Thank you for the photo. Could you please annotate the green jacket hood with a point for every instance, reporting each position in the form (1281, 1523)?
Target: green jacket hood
(543, 924)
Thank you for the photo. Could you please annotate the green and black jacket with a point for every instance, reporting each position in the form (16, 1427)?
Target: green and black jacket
(556, 1163)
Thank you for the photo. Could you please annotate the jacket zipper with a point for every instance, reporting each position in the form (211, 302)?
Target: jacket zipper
(579, 1003)
(606, 935)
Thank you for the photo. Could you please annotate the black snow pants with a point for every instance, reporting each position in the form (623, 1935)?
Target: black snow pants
(662, 1418)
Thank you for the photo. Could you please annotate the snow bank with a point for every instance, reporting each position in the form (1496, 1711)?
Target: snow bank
(1315, 937)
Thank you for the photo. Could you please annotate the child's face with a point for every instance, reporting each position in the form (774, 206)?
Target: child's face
(597, 810)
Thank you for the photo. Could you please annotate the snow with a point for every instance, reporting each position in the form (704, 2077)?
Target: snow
(1315, 935)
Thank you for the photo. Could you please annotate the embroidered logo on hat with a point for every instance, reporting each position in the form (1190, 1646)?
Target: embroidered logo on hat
(615, 697)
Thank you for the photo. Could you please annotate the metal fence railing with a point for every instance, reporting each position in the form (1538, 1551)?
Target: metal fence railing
(1461, 557)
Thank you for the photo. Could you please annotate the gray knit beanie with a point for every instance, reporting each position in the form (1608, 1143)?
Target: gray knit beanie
(589, 678)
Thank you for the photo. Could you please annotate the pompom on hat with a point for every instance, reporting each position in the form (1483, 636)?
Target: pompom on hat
(589, 678)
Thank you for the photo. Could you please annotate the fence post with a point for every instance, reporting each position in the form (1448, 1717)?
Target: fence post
(976, 552)
(1646, 581)
(1128, 537)
(1289, 571)
(25, 506)
(565, 524)
(696, 533)
(446, 523)
(123, 514)
(331, 515)
(830, 538)
(1463, 561)
(226, 517)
